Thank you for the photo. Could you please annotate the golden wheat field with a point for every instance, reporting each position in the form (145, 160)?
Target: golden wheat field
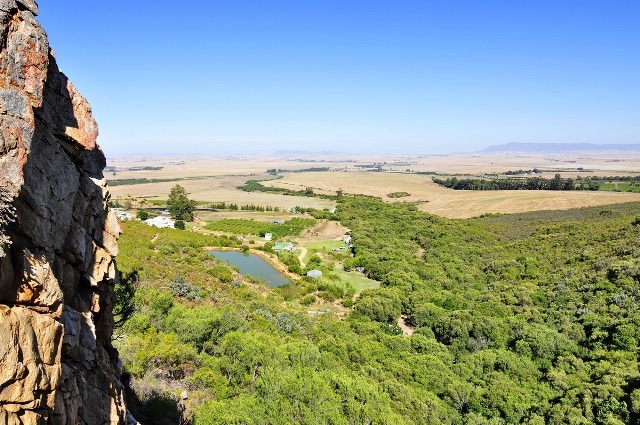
(214, 179)
(448, 202)
(218, 189)
(569, 165)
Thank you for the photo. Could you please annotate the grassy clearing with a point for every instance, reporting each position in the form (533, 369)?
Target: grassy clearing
(620, 187)
(359, 281)
(324, 249)
(315, 247)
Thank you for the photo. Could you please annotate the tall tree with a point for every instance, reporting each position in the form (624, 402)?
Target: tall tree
(179, 204)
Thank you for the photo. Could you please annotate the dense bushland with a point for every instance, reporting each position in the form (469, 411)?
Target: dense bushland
(528, 183)
(241, 226)
(527, 318)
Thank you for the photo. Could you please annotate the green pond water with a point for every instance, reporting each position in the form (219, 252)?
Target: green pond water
(253, 265)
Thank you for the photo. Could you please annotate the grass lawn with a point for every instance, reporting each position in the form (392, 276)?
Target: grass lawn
(323, 246)
(358, 281)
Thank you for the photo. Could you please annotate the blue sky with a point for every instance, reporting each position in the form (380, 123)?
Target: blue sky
(256, 76)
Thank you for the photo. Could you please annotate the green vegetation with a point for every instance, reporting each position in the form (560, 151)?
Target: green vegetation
(621, 186)
(358, 281)
(524, 318)
(329, 257)
(398, 194)
(521, 172)
(240, 226)
(124, 297)
(132, 181)
(617, 183)
(275, 171)
(179, 205)
(247, 207)
(256, 186)
(7, 216)
(529, 183)
(323, 246)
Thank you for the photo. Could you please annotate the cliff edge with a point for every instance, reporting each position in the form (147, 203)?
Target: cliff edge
(58, 241)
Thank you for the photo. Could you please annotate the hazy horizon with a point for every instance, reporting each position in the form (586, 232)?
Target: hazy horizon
(372, 77)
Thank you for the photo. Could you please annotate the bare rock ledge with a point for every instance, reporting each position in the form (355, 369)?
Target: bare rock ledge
(58, 241)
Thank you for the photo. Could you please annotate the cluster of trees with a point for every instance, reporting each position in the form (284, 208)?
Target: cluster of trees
(617, 178)
(525, 318)
(531, 183)
(144, 180)
(256, 186)
(247, 207)
(521, 172)
(275, 171)
(552, 295)
(241, 226)
(398, 194)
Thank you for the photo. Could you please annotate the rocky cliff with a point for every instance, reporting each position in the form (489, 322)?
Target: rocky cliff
(58, 241)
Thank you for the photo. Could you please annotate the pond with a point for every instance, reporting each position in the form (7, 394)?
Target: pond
(253, 265)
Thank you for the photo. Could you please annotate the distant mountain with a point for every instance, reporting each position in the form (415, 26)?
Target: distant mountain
(297, 152)
(559, 147)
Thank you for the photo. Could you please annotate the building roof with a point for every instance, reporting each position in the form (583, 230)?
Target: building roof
(314, 273)
(161, 222)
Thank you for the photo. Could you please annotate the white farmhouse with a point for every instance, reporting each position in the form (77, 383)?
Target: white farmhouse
(161, 222)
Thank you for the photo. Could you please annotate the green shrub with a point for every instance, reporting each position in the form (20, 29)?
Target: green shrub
(308, 299)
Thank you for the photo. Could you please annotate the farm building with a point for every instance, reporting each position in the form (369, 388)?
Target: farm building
(314, 273)
(282, 246)
(268, 236)
(161, 222)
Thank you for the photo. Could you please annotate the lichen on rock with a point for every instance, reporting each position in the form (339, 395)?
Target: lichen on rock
(58, 241)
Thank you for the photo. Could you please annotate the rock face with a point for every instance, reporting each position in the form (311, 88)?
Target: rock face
(58, 241)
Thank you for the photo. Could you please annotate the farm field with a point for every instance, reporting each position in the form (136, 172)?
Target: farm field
(217, 189)
(447, 202)
(215, 179)
(605, 163)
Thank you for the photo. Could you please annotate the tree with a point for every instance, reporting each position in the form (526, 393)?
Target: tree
(7, 212)
(179, 224)
(142, 215)
(179, 204)
(125, 290)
